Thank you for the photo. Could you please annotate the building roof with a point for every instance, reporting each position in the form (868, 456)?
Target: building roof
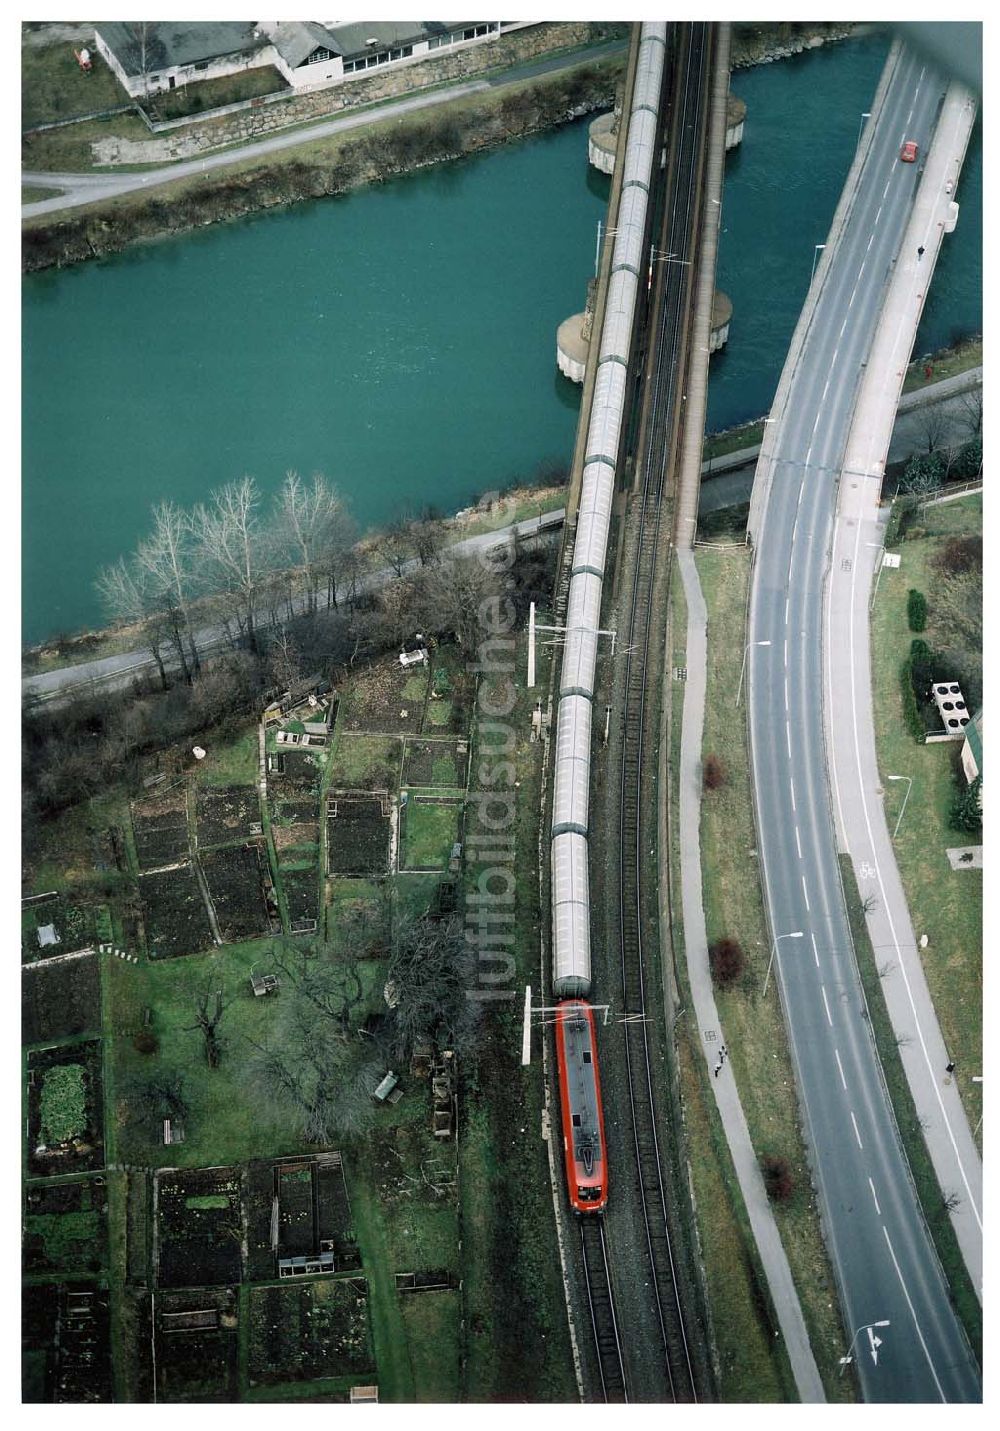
(295, 40)
(171, 43)
(352, 39)
(974, 735)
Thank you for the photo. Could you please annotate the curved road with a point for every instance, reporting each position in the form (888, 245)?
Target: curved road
(95, 187)
(881, 1250)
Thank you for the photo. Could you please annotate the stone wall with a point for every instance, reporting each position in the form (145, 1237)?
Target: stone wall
(264, 119)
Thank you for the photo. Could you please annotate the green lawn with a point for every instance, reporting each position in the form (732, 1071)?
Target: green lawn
(365, 761)
(224, 1123)
(230, 762)
(754, 1027)
(431, 830)
(194, 99)
(945, 904)
(432, 1322)
(54, 87)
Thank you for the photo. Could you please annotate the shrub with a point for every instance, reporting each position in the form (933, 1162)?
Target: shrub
(726, 961)
(901, 516)
(911, 711)
(713, 773)
(969, 462)
(916, 610)
(777, 1178)
(63, 1103)
(966, 814)
(960, 555)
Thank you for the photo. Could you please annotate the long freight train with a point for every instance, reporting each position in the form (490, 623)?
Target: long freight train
(579, 1078)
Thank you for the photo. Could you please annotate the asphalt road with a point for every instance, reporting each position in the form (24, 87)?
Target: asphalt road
(95, 187)
(881, 1250)
(119, 672)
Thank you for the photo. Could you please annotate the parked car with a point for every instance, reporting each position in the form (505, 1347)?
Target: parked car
(908, 153)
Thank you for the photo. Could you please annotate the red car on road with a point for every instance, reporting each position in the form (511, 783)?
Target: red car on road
(908, 153)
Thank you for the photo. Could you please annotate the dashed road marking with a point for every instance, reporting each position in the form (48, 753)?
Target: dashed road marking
(854, 1123)
(840, 1069)
(791, 784)
(822, 989)
(805, 893)
(798, 842)
(874, 1197)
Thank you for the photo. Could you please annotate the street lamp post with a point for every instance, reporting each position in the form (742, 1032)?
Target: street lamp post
(846, 1360)
(909, 786)
(865, 114)
(795, 934)
(816, 252)
(743, 665)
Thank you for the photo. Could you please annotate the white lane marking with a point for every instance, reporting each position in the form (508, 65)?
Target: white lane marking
(874, 1197)
(913, 1314)
(870, 238)
(822, 989)
(788, 738)
(840, 1069)
(786, 614)
(826, 389)
(805, 893)
(798, 842)
(791, 785)
(786, 693)
(854, 1123)
(815, 950)
(879, 214)
(786, 654)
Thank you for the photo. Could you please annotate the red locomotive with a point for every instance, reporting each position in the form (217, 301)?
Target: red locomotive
(580, 1104)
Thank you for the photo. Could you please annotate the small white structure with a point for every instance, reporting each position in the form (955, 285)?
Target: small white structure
(951, 708)
(48, 935)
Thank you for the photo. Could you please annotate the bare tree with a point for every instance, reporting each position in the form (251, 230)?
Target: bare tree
(228, 537)
(455, 591)
(972, 406)
(933, 425)
(311, 521)
(167, 557)
(209, 1005)
(144, 50)
(431, 971)
(124, 591)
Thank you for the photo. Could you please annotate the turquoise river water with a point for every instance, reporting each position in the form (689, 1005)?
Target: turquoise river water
(401, 339)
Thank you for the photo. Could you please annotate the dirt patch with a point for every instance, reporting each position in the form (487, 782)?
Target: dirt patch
(160, 827)
(436, 762)
(199, 1227)
(240, 890)
(288, 837)
(60, 1000)
(227, 812)
(301, 1332)
(292, 774)
(174, 913)
(197, 1346)
(300, 894)
(386, 700)
(359, 834)
(66, 1342)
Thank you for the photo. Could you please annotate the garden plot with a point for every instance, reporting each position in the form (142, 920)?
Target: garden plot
(66, 1227)
(319, 1329)
(305, 1201)
(197, 1345)
(60, 1000)
(452, 695)
(239, 890)
(199, 1227)
(174, 913)
(429, 828)
(300, 894)
(66, 1343)
(359, 835)
(441, 763)
(160, 826)
(227, 813)
(57, 926)
(366, 762)
(294, 773)
(65, 1110)
(294, 822)
(387, 699)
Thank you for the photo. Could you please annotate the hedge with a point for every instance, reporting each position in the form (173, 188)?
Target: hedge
(916, 610)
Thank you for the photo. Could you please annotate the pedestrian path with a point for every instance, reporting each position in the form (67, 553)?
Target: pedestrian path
(727, 1098)
(855, 779)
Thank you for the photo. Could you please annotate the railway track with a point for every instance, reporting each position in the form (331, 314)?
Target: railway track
(603, 1318)
(660, 425)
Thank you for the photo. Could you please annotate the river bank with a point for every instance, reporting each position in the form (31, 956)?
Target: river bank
(335, 165)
